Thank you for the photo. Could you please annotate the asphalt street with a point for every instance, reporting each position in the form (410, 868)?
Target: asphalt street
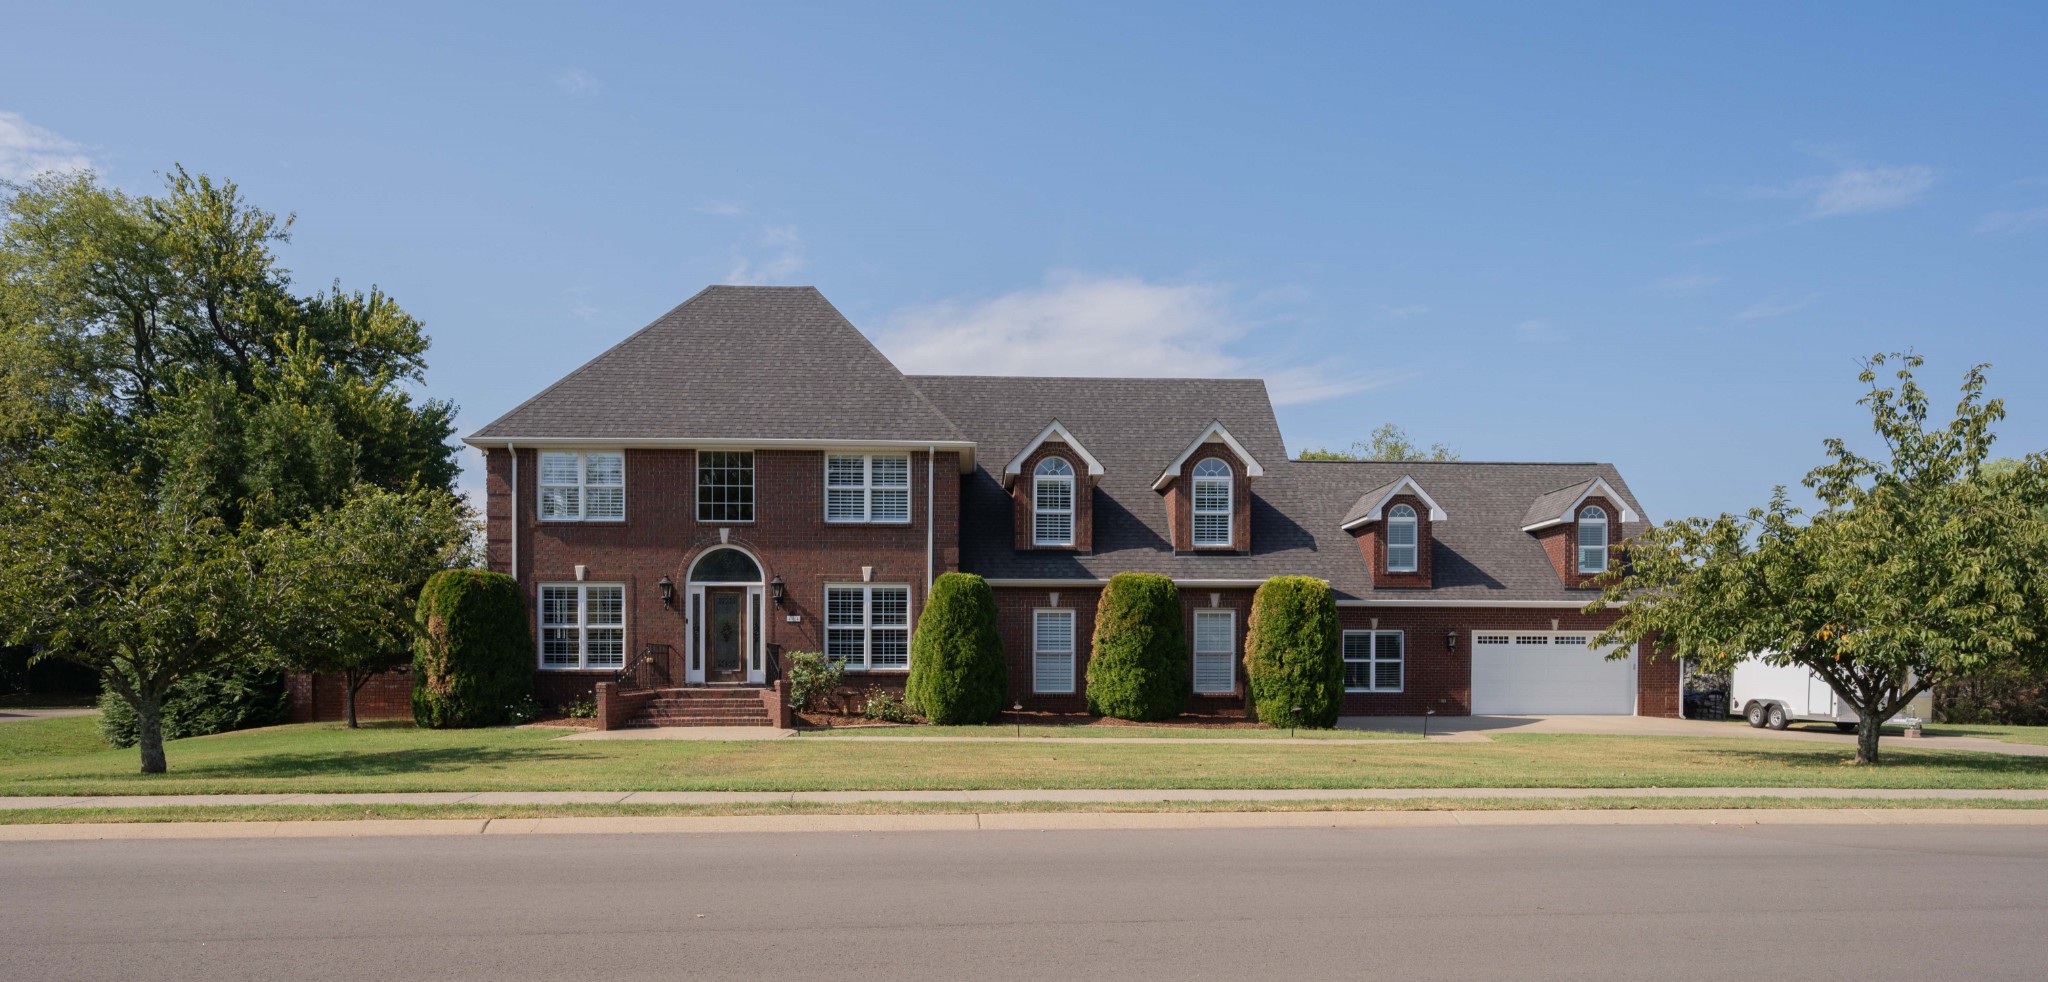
(1526, 903)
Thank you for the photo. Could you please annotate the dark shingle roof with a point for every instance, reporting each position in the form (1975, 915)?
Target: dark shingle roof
(734, 362)
(1548, 507)
(1363, 506)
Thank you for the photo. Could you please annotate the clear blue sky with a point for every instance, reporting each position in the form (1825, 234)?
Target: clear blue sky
(1661, 237)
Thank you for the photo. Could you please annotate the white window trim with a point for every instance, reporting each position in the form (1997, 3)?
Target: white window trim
(753, 485)
(1229, 656)
(867, 625)
(1415, 532)
(582, 486)
(582, 627)
(867, 490)
(1071, 511)
(1073, 646)
(1229, 511)
(1372, 659)
(1580, 541)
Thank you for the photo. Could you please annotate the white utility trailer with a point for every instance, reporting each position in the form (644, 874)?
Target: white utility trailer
(1779, 695)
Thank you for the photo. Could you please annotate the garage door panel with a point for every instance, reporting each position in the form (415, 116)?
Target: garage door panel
(1538, 673)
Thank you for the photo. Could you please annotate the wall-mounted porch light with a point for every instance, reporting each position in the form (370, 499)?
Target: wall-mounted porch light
(668, 591)
(1450, 640)
(775, 591)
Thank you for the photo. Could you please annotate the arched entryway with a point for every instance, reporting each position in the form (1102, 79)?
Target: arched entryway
(727, 634)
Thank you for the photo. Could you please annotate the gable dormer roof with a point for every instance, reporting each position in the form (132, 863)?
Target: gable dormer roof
(1213, 433)
(1558, 507)
(1055, 431)
(1372, 505)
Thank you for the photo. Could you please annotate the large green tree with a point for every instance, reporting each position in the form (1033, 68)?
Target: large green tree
(1389, 442)
(1919, 568)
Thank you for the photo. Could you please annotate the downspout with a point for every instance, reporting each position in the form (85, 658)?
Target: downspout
(931, 490)
(515, 508)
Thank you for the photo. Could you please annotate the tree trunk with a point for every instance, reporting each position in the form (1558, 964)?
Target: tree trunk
(149, 732)
(1868, 727)
(351, 681)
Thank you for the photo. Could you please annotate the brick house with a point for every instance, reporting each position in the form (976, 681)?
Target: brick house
(749, 476)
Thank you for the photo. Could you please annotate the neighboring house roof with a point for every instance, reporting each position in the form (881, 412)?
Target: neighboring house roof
(764, 363)
(1480, 554)
(1368, 507)
(1558, 507)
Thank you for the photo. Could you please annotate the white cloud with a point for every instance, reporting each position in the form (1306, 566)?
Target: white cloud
(1079, 325)
(782, 256)
(576, 81)
(27, 150)
(2015, 220)
(1682, 285)
(1855, 190)
(1774, 306)
(1537, 329)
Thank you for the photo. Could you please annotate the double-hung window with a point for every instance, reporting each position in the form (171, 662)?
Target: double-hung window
(1215, 651)
(582, 625)
(1593, 539)
(1052, 503)
(1372, 660)
(725, 485)
(868, 627)
(867, 488)
(585, 486)
(1402, 546)
(1052, 651)
(1212, 492)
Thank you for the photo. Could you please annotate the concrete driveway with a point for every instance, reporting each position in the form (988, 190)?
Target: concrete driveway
(1480, 727)
(12, 715)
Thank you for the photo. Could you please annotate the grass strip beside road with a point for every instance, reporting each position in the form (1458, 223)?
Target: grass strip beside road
(65, 757)
(332, 813)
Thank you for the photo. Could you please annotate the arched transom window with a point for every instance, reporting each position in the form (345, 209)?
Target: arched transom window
(1402, 545)
(1592, 539)
(1052, 503)
(1212, 492)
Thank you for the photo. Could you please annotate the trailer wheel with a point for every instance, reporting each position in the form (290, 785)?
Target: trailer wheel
(1777, 719)
(1755, 714)
(1845, 727)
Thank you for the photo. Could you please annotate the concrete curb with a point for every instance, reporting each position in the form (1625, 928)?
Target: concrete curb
(1015, 822)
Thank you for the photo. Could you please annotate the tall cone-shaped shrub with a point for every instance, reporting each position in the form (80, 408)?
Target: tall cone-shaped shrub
(1293, 653)
(957, 673)
(472, 664)
(1140, 666)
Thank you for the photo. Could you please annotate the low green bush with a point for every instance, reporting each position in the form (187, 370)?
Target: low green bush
(957, 671)
(884, 704)
(235, 697)
(1294, 653)
(473, 662)
(1140, 668)
(813, 679)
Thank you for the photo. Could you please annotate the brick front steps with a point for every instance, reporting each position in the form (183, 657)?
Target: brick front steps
(703, 707)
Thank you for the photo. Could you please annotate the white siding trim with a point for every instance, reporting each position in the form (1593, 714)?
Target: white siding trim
(1058, 430)
(1214, 431)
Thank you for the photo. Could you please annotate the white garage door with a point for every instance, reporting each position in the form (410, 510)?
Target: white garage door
(1537, 673)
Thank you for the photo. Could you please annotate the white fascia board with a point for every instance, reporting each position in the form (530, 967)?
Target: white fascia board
(965, 447)
(1057, 430)
(1083, 582)
(1214, 431)
(1599, 487)
(1436, 511)
(1474, 604)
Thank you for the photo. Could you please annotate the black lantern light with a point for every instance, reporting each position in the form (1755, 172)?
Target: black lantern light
(668, 591)
(775, 591)
(1450, 640)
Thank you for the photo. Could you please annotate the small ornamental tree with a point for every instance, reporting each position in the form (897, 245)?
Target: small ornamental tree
(957, 672)
(472, 664)
(1293, 653)
(1140, 668)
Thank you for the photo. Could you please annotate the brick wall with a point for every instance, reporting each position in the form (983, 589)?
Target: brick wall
(320, 698)
(1372, 547)
(1180, 503)
(1440, 678)
(1561, 542)
(1014, 609)
(661, 536)
(1084, 501)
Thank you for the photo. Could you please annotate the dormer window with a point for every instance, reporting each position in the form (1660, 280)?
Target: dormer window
(1402, 540)
(1212, 491)
(1052, 503)
(1593, 539)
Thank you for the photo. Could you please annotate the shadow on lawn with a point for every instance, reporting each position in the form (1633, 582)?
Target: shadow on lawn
(1890, 758)
(380, 763)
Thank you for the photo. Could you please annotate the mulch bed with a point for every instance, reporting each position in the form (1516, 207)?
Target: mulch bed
(1186, 721)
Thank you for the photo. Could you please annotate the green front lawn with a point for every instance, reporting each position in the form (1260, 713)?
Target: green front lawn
(1097, 731)
(2010, 734)
(64, 756)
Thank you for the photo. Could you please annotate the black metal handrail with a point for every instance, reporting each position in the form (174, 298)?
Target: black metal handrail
(646, 670)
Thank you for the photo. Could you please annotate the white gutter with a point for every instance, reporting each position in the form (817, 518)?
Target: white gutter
(931, 492)
(515, 508)
(966, 447)
(1052, 583)
(1552, 604)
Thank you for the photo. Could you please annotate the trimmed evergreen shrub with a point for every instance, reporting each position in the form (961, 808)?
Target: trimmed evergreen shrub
(1294, 653)
(957, 672)
(473, 662)
(1141, 667)
(236, 696)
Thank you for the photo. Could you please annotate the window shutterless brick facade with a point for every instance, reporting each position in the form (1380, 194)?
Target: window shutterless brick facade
(1179, 497)
(1372, 547)
(1024, 490)
(1561, 544)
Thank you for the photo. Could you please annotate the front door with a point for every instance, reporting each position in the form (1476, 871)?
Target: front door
(724, 634)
